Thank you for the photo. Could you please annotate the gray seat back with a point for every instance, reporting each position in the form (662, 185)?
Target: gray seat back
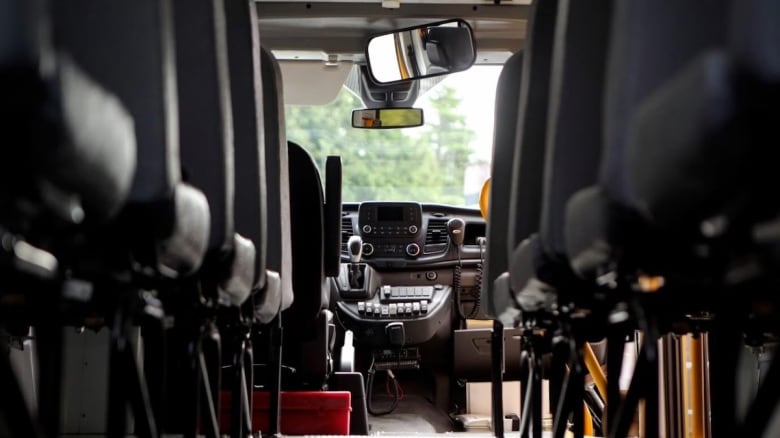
(279, 250)
(248, 140)
(205, 112)
(574, 123)
(128, 48)
(527, 169)
(507, 98)
(123, 45)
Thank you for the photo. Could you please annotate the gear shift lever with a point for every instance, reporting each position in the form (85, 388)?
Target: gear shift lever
(355, 248)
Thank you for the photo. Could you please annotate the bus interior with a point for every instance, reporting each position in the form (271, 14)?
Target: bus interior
(489, 218)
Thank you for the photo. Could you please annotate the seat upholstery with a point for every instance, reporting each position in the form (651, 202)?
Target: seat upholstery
(684, 152)
(752, 39)
(528, 166)
(572, 147)
(526, 140)
(136, 38)
(80, 162)
(332, 250)
(641, 59)
(306, 322)
(205, 113)
(207, 149)
(128, 49)
(574, 131)
(279, 251)
(307, 216)
(507, 98)
(636, 68)
(248, 140)
(693, 151)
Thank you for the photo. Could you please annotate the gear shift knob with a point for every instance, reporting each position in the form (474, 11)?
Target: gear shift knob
(355, 248)
(456, 227)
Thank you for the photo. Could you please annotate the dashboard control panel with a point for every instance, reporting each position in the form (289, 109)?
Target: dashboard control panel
(399, 235)
(393, 310)
(418, 311)
(390, 220)
(402, 293)
(391, 229)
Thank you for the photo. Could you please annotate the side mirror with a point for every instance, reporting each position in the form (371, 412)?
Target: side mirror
(421, 52)
(386, 118)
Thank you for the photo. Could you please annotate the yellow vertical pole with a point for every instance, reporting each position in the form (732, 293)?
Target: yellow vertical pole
(588, 419)
(688, 411)
(594, 368)
(697, 386)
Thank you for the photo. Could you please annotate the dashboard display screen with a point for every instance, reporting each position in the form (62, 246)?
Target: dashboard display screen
(389, 214)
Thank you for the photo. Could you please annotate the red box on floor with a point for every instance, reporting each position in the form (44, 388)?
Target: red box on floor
(303, 412)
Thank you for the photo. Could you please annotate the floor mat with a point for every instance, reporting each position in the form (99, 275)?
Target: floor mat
(414, 416)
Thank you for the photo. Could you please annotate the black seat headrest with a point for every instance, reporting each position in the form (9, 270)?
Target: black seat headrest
(74, 148)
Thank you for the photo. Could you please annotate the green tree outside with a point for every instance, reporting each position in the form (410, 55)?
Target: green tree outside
(425, 164)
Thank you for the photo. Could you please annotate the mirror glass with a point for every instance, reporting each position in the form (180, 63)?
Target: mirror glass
(385, 118)
(421, 52)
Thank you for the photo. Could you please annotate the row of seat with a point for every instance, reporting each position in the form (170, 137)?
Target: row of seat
(632, 178)
(151, 184)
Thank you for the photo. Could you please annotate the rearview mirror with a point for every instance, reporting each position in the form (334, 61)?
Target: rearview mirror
(420, 52)
(386, 118)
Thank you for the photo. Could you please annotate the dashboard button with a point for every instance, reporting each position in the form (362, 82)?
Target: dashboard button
(416, 307)
(413, 250)
(368, 249)
(408, 308)
(424, 306)
(393, 309)
(385, 310)
(430, 275)
(413, 229)
(361, 306)
(367, 229)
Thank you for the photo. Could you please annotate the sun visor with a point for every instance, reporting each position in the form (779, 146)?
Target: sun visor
(313, 82)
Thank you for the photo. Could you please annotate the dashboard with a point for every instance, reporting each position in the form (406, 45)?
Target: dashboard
(409, 234)
(410, 272)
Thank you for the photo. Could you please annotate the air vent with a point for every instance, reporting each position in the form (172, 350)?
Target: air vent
(437, 232)
(346, 232)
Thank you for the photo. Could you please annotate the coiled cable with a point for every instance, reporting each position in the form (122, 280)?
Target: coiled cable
(370, 388)
(456, 284)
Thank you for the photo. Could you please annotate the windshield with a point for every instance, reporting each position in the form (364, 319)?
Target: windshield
(445, 161)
